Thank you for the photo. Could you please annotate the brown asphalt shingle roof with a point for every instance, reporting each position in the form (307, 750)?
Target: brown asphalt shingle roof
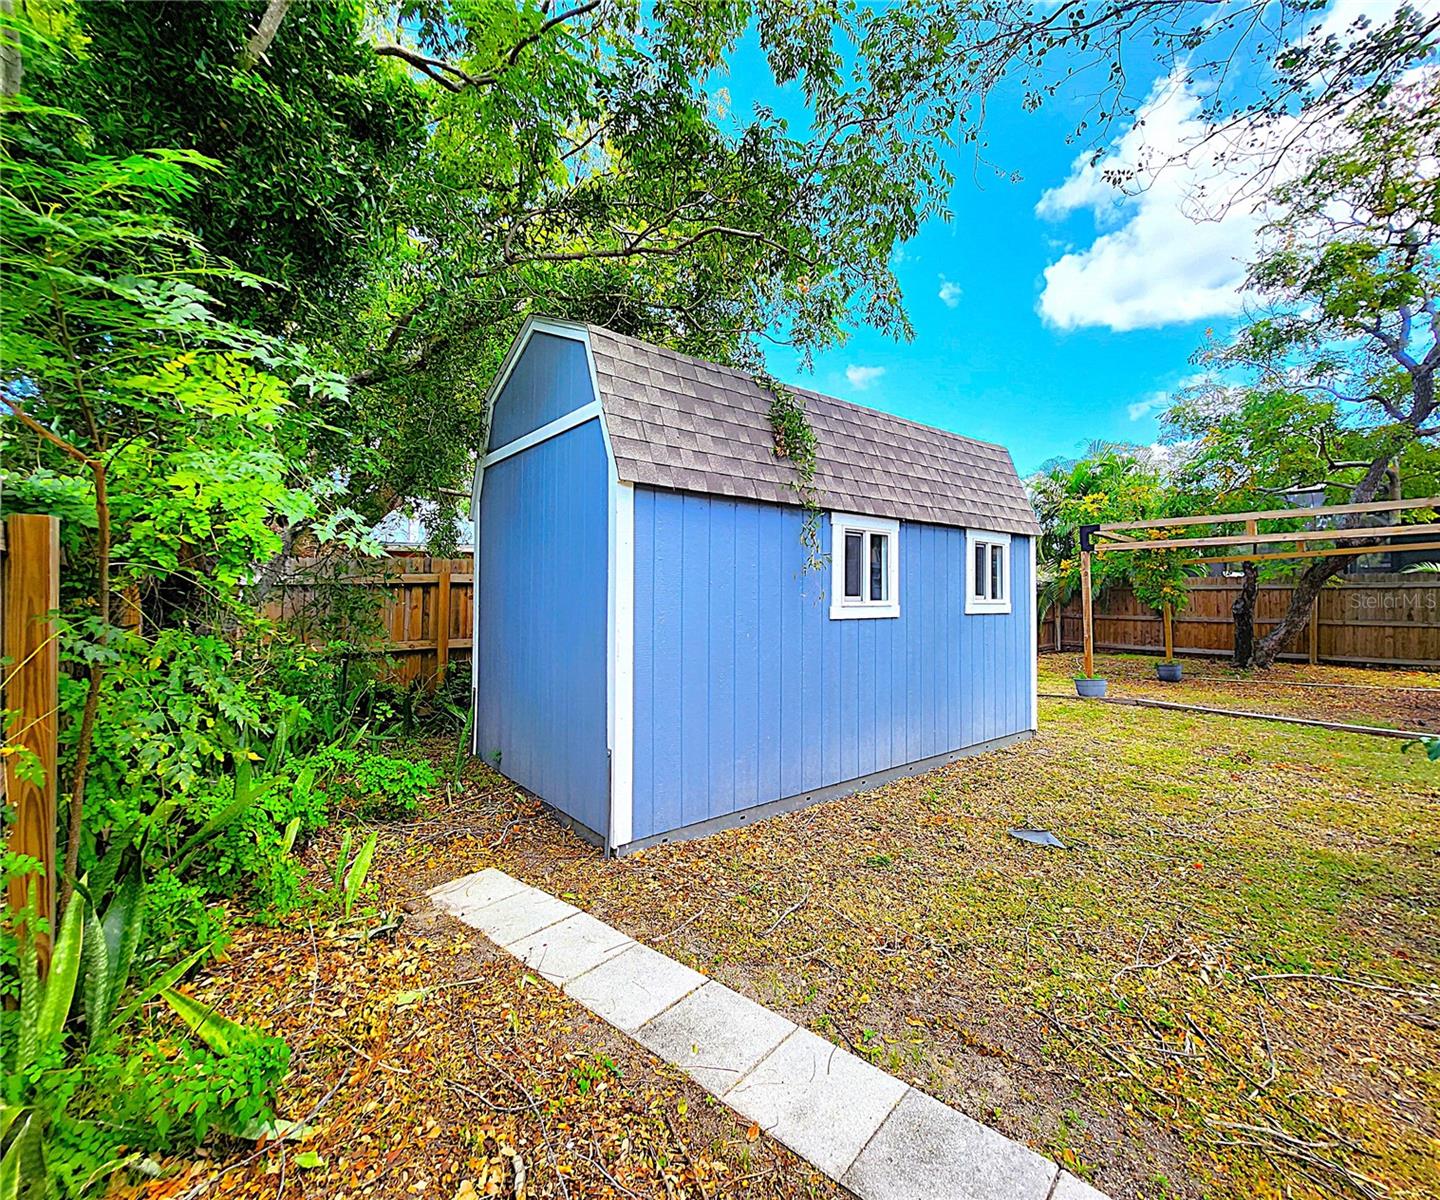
(683, 423)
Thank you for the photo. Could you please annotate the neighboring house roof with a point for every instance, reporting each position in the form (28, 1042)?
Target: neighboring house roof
(401, 530)
(680, 422)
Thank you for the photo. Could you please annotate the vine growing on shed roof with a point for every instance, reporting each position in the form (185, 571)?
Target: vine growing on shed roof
(795, 440)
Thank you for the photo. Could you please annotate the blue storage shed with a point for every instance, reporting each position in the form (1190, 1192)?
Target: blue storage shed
(657, 655)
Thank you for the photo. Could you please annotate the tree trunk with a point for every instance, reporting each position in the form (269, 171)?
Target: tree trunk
(74, 828)
(270, 574)
(1297, 616)
(1243, 610)
(1319, 573)
(264, 34)
(12, 68)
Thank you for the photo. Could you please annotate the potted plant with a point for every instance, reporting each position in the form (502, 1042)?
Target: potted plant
(1158, 578)
(1167, 670)
(1092, 687)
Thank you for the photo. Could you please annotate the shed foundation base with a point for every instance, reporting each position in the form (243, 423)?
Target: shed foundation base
(834, 791)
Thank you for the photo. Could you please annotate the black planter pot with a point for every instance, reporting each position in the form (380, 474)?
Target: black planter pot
(1168, 672)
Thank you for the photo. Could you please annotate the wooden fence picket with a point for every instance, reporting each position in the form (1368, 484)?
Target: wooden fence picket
(425, 607)
(29, 595)
(1383, 620)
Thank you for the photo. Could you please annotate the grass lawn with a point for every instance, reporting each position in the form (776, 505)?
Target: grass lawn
(1397, 699)
(1226, 986)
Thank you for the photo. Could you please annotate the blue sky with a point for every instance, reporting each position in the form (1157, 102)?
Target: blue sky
(1047, 365)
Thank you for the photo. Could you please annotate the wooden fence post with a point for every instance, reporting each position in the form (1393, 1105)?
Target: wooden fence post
(1314, 638)
(31, 592)
(1168, 616)
(441, 617)
(1087, 612)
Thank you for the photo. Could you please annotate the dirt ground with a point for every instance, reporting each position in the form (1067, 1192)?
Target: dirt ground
(1225, 986)
(426, 1062)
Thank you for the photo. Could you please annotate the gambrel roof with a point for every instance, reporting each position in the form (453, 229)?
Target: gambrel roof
(680, 422)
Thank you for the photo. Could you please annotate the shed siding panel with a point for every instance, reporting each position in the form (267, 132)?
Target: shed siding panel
(747, 692)
(541, 586)
(551, 379)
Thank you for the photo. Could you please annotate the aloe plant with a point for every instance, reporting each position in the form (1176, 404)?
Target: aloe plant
(218, 1032)
(246, 793)
(44, 1004)
(342, 860)
(107, 952)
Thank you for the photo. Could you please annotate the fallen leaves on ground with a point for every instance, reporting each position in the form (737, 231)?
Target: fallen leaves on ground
(1226, 987)
(1167, 1007)
(428, 1063)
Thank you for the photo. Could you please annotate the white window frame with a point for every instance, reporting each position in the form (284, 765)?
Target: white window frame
(987, 604)
(846, 609)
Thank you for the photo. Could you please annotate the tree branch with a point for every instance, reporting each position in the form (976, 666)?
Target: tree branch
(456, 79)
(264, 34)
(638, 248)
(435, 68)
(30, 423)
(12, 66)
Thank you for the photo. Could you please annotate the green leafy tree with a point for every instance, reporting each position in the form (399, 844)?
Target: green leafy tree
(1341, 359)
(414, 182)
(1109, 484)
(412, 194)
(162, 435)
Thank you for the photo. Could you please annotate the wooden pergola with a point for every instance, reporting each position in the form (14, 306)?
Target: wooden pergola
(1131, 535)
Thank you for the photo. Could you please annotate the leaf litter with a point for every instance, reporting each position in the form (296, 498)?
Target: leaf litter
(1228, 990)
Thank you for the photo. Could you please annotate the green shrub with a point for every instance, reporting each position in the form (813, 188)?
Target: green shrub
(80, 1090)
(156, 1095)
(377, 786)
(179, 917)
(248, 858)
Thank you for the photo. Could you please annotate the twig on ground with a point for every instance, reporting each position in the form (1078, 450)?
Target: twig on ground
(206, 1184)
(794, 908)
(1258, 1087)
(1363, 1185)
(690, 1158)
(1342, 981)
(600, 1166)
(540, 1118)
(699, 912)
(372, 1059)
(1144, 966)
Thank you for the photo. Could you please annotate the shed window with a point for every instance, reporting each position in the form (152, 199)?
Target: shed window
(866, 567)
(987, 573)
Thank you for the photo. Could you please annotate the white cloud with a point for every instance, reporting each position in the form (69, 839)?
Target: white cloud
(862, 377)
(1153, 403)
(1157, 261)
(1158, 401)
(950, 293)
(1174, 202)
(1341, 16)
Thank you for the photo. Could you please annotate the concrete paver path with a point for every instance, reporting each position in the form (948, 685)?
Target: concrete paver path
(866, 1129)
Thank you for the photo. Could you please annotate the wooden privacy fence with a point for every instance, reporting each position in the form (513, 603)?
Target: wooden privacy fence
(421, 615)
(29, 594)
(1390, 620)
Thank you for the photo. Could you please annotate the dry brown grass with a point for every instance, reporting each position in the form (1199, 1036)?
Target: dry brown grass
(1225, 987)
